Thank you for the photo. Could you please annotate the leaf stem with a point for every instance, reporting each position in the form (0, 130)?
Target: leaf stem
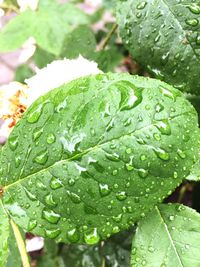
(104, 43)
(182, 192)
(20, 244)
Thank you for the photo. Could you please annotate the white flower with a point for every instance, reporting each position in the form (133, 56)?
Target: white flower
(16, 97)
(28, 49)
(27, 4)
(58, 73)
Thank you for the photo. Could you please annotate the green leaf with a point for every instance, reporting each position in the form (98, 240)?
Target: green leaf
(49, 26)
(164, 42)
(81, 41)
(63, 164)
(168, 236)
(42, 58)
(195, 172)
(23, 72)
(9, 253)
(109, 59)
(4, 234)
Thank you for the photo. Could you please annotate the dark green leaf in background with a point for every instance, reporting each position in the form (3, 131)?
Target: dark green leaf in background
(96, 155)
(169, 236)
(164, 37)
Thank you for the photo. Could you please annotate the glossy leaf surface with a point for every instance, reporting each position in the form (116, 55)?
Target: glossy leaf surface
(164, 37)
(9, 253)
(92, 157)
(169, 236)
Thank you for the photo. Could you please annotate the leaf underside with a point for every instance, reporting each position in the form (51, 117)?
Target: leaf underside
(92, 157)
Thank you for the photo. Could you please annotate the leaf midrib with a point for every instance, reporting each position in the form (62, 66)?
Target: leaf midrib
(170, 237)
(87, 151)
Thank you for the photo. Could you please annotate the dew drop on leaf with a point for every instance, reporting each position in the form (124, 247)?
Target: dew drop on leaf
(73, 235)
(50, 216)
(91, 237)
(51, 138)
(52, 233)
(35, 115)
(55, 183)
(42, 157)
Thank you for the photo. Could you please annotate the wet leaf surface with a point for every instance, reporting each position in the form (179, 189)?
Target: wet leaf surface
(96, 155)
(168, 237)
(164, 37)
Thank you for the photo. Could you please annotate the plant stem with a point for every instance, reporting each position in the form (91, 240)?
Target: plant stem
(104, 43)
(182, 192)
(20, 244)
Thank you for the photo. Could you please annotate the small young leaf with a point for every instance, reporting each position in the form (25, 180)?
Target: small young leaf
(164, 37)
(92, 157)
(168, 236)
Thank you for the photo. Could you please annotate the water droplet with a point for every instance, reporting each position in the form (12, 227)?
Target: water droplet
(128, 151)
(159, 107)
(52, 233)
(162, 154)
(30, 195)
(192, 22)
(143, 173)
(121, 196)
(130, 95)
(194, 8)
(74, 198)
(171, 217)
(104, 189)
(35, 115)
(50, 201)
(91, 237)
(143, 157)
(55, 183)
(113, 157)
(151, 249)
(157, 136)
(50, 216)
(51, 138)
(142, 5)
(73, 235)
(181, 154)
(31, 225)
(163, 126)
(198, 39)
(13, 142)
(37, 133)
(41, 158)
(17, 161)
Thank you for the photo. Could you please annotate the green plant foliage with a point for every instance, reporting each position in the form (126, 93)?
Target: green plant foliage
(81, 41)
(195, 172)
(47, 27)
(164, 37)
(5, 232)
(9, 254)
(62, 177)
(108, 59)
(168, 236)
(23, 72)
